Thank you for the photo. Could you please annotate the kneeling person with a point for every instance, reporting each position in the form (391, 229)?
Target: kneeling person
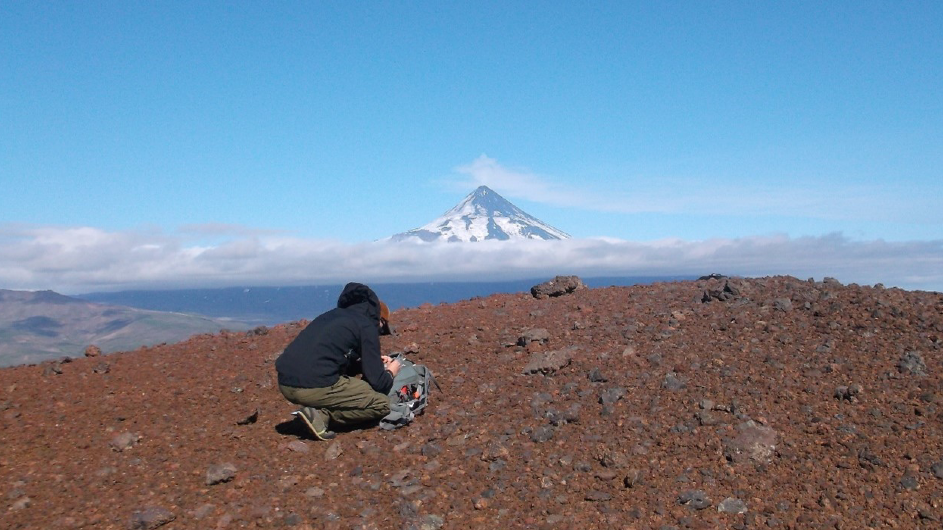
(318, 368)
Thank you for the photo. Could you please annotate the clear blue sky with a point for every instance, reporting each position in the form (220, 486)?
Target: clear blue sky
(229, 127)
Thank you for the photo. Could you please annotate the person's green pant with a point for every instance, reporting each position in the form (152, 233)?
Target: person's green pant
(347, 402)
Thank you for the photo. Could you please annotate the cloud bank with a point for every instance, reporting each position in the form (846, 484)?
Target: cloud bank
(719, 195)
(76, 260)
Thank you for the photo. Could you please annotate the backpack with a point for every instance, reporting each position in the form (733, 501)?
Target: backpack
(410, 393)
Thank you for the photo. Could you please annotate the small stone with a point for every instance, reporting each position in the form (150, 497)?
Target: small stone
(672, 382)
(219, 473)
(250, 419)
(431, 450)
(150, 518)
(202, 512)
(314, 492)
(547, 362)
(538, 335)
(912, 363)
(632, 478)
(542, 434)
(558, 286)
(595, 376)
(124, 441)
(597, 496)
(782, 304)
(298, 446)
(732, 505)
(334, 450)
(610, 396)
(704, 417)
(695, 499)
(92, 351)
(21, 504)
(909, 482)
(937, 470)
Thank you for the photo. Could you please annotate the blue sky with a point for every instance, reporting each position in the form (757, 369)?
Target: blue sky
(190, 143)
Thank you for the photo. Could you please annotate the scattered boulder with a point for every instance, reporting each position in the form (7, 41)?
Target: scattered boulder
(334, 450)
(92, 351)
(151, 518)
(124, 441)
(219, 473)
(611, 395)
(754, 442)
(694, 499)
(937, 469)
(848, 393)
(729, 292)
(558, 286)
(52, 368)
(782, 304)
(539, 335)
(912, 363)
(250, 419)
(597, 496)
(547, 362)
(732, 505)
(672, 382)
(298, 446)
(712, 276)
(541, 434)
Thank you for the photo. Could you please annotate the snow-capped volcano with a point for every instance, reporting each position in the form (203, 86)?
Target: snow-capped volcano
(480, 216)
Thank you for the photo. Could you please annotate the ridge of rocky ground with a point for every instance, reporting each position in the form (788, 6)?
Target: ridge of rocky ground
(719, 403)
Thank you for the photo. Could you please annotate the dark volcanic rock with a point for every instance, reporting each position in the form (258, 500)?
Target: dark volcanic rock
(558, 286)
(150, 518)
(912, 363)
(547, 362)
(825, 415)
(534, 335)
(696, 499)
(220, 473)
(753, 442)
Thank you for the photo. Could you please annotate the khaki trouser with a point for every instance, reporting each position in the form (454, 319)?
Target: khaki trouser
(347, 402)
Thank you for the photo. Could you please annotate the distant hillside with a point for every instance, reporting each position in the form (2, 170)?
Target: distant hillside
(275, 305)
(43, 325)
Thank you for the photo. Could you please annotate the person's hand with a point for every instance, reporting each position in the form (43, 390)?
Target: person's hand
(386, 359)
(393, 367)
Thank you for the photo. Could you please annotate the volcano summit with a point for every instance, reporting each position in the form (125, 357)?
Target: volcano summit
(481, 216)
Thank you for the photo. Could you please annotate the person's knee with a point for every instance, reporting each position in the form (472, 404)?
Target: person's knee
(380, 404)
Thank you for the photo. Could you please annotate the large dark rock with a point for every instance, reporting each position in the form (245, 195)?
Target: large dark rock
(547, 362)
(558, 286)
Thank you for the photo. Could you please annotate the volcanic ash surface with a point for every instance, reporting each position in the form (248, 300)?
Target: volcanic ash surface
(720, 403)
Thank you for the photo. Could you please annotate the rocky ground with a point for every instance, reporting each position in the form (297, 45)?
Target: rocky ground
(721, 403)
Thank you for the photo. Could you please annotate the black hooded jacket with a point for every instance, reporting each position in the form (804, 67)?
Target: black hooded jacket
(343, 341)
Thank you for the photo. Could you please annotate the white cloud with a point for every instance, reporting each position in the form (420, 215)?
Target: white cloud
(698, 195)
(81, 259)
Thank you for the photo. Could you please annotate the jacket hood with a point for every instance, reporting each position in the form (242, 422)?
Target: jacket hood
(358, 293)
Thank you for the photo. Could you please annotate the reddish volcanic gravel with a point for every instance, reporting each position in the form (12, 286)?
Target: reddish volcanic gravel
(741, 403)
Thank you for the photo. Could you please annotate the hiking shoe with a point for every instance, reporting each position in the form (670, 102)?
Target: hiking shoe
(314, 419)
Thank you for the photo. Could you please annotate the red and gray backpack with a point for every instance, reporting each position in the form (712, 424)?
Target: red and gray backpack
(410, 393)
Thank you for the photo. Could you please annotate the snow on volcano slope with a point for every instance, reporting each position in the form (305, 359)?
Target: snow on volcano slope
(483, 215)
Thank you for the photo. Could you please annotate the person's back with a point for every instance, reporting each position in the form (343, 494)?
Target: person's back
(315, 368)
